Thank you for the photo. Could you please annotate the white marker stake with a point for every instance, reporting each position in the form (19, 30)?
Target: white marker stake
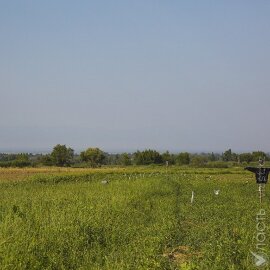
(192, 197)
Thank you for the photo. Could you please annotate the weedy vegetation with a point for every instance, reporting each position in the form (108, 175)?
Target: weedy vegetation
(142, 218)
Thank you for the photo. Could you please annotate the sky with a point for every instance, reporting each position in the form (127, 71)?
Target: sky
(128, 75)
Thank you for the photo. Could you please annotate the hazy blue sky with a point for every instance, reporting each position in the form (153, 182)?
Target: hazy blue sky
(127, 75)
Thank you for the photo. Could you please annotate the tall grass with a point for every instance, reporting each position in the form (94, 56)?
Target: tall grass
(141, 220)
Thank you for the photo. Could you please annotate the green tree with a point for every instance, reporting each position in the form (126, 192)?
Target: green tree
(22, 157)
(229, 156)
(61, 155)
(168, 157)
(93, 156)
(256, 155)
(125, 159)
(147, 157)
(183, 158)
(245, 157)
(46, 160)
(199, 161)
(212, 157)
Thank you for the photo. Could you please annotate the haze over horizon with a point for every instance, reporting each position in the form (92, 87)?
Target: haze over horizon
(129, 75)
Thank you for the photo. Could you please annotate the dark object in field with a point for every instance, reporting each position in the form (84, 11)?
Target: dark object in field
(260, 173)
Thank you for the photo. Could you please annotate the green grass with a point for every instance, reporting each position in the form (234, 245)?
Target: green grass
(142, 219)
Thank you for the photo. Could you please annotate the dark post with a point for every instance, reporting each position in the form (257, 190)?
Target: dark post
(261, 175)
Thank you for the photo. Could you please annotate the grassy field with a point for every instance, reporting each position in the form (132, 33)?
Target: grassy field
(53, 218)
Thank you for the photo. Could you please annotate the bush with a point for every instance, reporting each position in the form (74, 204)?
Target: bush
(199, 161)
(217, 164)
(183, 158)
(15, 163)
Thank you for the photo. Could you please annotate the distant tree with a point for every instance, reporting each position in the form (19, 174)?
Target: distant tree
(256, 155)
(147, 157)
(183, 158)
(15, 160)
(7, 157)
(125, 159)
(229, 156)
(46, 160)
(61, 155)
(110, 159)
(199, 161)
(245, 157)
(212, 157)
(22, 160)
(235, 157)
(22, 157)
(168, 157)
(93, 156)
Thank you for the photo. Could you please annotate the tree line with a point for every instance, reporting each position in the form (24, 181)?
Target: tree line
(64, 156)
